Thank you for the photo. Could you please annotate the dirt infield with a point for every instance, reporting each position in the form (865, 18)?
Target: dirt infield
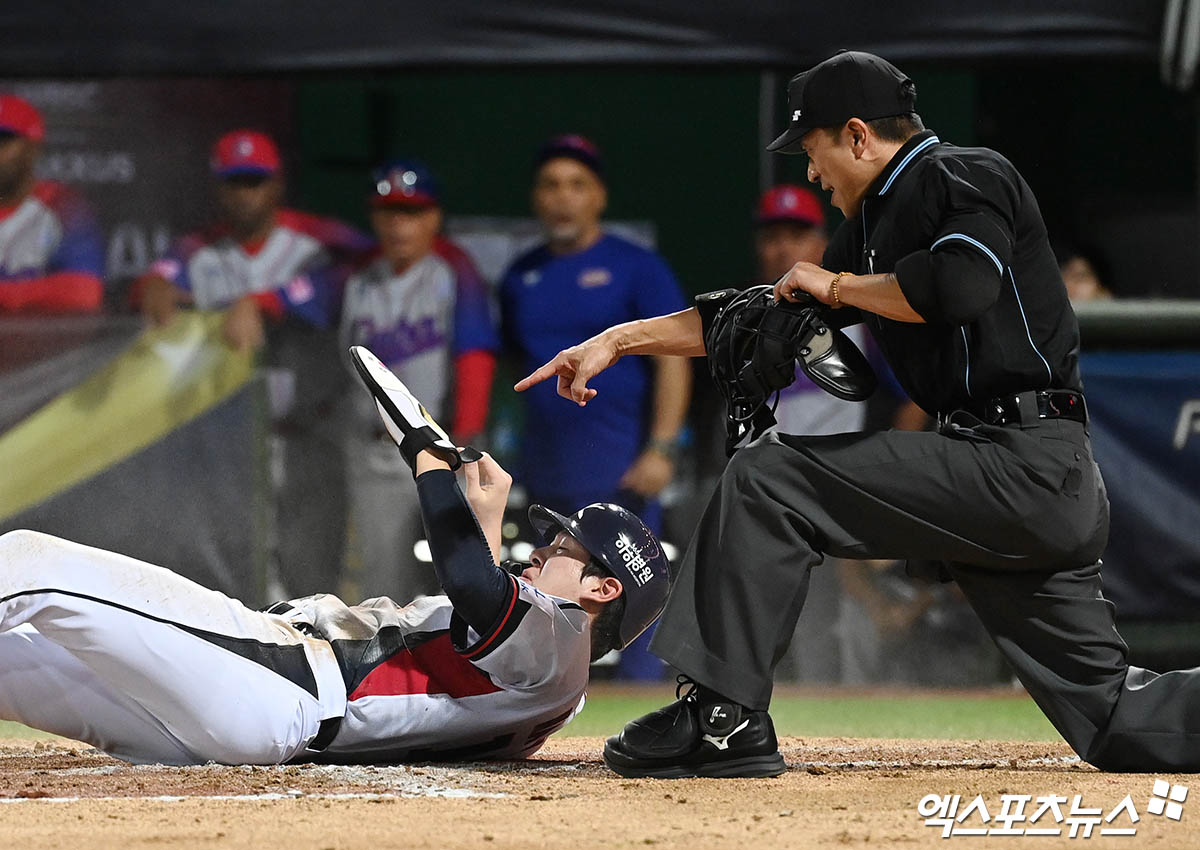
(837, 792)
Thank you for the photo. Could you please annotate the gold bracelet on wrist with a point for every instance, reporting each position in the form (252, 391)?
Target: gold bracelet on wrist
(833, 289)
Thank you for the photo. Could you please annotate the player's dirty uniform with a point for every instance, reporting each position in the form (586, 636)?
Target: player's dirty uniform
(423, 685)
(151, 667)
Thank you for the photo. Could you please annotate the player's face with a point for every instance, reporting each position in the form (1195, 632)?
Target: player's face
(832, 164)
(248, 201)
(17, 156)
(406, 234)
(569, 199)
(782, 244)
(557, 569)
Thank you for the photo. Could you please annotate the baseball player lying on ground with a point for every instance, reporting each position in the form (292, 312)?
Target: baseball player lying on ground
(151, 667)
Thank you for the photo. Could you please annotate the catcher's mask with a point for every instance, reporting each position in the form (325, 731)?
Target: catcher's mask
(753, 346)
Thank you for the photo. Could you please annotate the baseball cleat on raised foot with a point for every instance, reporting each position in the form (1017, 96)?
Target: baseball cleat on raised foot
(407, 421)
(686, 739)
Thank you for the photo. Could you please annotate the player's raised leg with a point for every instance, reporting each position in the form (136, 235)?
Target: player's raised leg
(228, 683)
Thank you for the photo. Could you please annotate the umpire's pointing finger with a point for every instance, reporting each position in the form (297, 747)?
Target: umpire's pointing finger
(546, 370)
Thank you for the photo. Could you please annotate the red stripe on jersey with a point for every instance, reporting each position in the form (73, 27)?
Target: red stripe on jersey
(512, 603)
(434, 667)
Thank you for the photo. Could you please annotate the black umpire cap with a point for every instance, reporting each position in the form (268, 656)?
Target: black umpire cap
(849, 84)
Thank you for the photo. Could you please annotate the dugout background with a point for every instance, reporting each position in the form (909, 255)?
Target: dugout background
(1109, 150)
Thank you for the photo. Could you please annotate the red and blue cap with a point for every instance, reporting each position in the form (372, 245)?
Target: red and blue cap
(572, 146)
(404, 183)
(790, 203)
(19, 117)
(245, 152)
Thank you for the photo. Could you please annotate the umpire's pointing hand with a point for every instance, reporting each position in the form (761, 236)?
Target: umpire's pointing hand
(575, 367)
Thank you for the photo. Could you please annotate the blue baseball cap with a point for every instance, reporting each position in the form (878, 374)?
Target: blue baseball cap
(572, 146)
(620, 541)
(404, 183)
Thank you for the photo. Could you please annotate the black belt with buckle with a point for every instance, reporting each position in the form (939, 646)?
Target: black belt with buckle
(330, 726)
(326, 732)
(1028, 407)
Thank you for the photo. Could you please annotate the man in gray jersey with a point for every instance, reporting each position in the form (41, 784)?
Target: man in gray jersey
(425, 310)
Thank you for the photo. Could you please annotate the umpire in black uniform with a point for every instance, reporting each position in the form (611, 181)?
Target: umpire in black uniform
(944, 256)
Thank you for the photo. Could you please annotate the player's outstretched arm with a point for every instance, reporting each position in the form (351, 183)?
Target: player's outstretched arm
(487, 493)
(676, 333)
(464, 561)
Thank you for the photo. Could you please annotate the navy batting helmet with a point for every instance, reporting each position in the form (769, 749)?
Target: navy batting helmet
(621, 542)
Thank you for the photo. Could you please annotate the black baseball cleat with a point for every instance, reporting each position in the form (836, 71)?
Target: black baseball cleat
(407, 421)
(687, 738)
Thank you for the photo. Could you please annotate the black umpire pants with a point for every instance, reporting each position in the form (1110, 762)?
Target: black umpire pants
(1019, 517)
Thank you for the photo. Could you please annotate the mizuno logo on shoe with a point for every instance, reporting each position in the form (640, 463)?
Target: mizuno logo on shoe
(722, 743)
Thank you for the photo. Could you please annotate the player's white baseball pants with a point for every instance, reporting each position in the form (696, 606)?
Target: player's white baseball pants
(149, 666)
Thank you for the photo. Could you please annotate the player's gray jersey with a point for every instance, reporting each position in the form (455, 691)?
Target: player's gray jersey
(407, 321)
(422, 684)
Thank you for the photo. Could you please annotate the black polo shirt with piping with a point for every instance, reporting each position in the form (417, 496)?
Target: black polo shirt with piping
(962, 232)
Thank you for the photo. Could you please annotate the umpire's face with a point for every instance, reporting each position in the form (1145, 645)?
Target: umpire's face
(836, 162)
(569, 199)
